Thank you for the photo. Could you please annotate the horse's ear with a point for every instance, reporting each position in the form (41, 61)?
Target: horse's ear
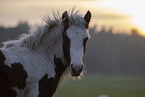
(65, 19)
(87, 17)
(64, 15)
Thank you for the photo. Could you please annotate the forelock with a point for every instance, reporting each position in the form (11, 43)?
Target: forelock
(77, 19)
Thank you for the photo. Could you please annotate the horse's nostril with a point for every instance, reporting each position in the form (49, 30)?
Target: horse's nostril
(76, 69)
(71, 66)
(80, 70)
(73, 70)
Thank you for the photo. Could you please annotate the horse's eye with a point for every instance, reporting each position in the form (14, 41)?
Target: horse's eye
(86, 38)
(84, 42)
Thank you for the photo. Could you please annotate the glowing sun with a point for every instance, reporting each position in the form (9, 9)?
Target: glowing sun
(133, 8)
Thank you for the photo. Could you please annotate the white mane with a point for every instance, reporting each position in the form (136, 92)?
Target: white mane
(38, 33)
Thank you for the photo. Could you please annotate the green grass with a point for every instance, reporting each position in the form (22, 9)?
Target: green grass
(93, 86)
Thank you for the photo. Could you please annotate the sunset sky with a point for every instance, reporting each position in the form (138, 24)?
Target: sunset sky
(122, 15)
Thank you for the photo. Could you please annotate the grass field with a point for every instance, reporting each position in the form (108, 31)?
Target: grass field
(93, 86)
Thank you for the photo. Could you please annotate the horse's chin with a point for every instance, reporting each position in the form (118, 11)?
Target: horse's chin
(77, 76)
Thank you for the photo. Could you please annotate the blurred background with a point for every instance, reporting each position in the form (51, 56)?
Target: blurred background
(115, 57)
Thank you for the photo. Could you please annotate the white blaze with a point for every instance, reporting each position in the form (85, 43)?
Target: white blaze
(76, 36)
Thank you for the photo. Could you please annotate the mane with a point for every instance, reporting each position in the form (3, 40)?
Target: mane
(38, 33)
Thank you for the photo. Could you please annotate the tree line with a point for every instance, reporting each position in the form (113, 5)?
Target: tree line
(107, 53)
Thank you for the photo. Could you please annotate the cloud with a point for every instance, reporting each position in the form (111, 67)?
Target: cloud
(110, 16)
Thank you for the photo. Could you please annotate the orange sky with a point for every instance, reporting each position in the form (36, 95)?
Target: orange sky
(120, 14)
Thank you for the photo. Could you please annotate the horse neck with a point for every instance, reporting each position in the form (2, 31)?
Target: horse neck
(52, 48)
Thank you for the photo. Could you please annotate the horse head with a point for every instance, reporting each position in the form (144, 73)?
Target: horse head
(75, 36)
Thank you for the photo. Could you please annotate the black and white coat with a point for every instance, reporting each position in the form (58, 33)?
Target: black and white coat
(33, 65)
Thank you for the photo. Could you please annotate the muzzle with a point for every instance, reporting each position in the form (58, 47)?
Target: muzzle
(76, 69)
